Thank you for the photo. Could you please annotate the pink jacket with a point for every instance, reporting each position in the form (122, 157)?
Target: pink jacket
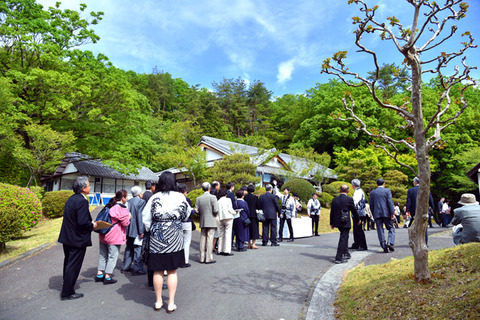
(117, 235)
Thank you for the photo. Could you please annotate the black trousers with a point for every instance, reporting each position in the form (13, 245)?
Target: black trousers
(359, 240)
(315, 219)
(272, 225)
(290, 228)
(72, 264)
(342, 248)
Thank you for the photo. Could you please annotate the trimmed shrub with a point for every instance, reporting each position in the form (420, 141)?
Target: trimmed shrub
(194, 194)
(54, 203)
(326, 199)
(334, 187)
(39, 191)
(20, 210)
(300, 186)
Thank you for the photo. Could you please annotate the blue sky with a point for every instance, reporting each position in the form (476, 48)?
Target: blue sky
(281, 43)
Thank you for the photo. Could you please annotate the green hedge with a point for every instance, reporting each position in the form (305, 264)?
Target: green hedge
(302, 187)
(20, 210)
(334, 187)
(194, 194)
(326, 199)
(54, 203)
(39, 191)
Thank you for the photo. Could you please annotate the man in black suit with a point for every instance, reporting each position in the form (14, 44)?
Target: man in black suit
(270, 208)
(75, 234)
(381, 205)
(150, 190)
(343, 205)
(412, 202)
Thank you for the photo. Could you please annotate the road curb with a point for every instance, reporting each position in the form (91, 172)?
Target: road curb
(25, 255)
(321, 303)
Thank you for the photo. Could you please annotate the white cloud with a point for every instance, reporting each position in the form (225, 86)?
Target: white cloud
(285, 70)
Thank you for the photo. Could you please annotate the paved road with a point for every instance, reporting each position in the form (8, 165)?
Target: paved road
(294, 281)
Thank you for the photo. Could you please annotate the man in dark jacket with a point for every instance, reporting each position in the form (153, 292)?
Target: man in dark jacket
(342, 206)
(381, 205)
(136, 229)
(75, 235)
(412, 202)
(150, 190)
(270, 208)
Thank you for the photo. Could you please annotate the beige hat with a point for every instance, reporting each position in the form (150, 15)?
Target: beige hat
(467, 198)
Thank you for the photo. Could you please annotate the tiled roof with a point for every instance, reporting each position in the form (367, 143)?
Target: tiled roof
(229, 148)
(94, 167)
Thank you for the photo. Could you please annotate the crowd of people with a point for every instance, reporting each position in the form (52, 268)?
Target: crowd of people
(156, 226)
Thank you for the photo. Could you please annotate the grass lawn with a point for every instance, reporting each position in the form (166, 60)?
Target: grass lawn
(389, 291)
(46, 231)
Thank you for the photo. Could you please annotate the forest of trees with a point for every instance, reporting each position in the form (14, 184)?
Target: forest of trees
(57, 98)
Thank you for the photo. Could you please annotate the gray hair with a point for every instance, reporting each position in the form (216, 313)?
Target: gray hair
(416, 180)
(205, 186)
(79, 183)
(356, 183)
(136, 191)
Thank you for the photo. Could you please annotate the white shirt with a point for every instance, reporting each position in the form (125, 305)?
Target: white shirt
(357, 195)
(313, 205)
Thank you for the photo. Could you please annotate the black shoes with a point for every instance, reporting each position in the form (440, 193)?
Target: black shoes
(340, 261)
(390, 247)
(109, 281)
(72, 297)
(346, 256)
(353, 248)
(361, 249)
(290, 240)
(280, 240)
(241, 249)
(138, 273)
(275, 245)
(264, 244)
(99, 279)
(226, 254)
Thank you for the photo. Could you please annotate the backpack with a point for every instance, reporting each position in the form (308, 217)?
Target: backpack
(104, 215)
(361, 206)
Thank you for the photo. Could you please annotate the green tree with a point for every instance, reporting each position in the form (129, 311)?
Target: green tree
(46, 150)
(236, 168)
(232, 98)
(426, 128)
(390, 79)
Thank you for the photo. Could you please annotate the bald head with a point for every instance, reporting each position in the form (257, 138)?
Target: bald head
(344, 189)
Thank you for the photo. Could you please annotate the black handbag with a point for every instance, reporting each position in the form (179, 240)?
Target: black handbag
(145, 247)
(345, 217)
(246, 222)
(194, 227)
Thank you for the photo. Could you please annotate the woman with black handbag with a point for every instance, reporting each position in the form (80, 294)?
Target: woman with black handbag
(241, 224)
(253, 206)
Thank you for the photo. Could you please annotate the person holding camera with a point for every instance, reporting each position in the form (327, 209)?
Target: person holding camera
(313, 209)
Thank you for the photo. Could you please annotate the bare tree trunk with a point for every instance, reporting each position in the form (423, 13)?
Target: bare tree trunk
(417, 231)
(3, 247)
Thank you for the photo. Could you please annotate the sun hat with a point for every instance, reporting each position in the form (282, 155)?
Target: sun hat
(467, 198)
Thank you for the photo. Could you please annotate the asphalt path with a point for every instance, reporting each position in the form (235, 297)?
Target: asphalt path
(293, 281)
